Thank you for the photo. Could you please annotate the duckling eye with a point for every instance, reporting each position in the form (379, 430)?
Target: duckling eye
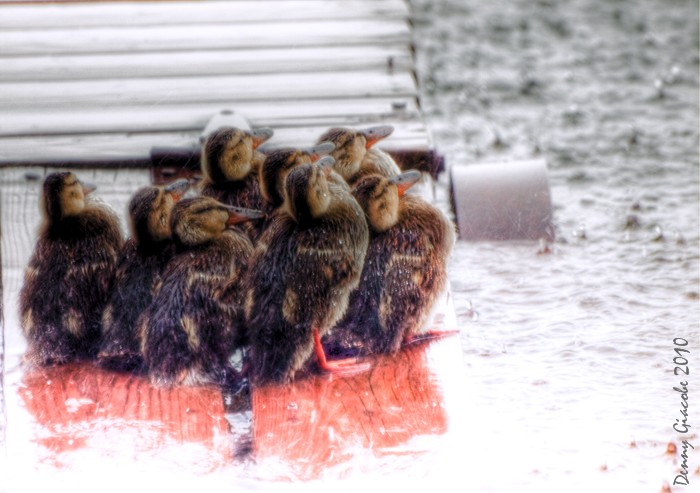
(349, 141)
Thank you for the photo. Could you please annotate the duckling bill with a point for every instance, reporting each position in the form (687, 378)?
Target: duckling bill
(356, 155)
(193, 324)
(138, 274)
(69, 276)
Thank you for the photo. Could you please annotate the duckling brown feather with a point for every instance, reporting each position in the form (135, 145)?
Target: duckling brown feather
(141, 262)
(68, 280)
(240, 193)
(404, 273)
(191, 327)
(306, 268)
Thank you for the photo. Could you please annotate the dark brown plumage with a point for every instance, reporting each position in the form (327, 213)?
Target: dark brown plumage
(307, 262)
(70, 273)
(355, 155)
(138, 273)
(191, 327)
(404, 272)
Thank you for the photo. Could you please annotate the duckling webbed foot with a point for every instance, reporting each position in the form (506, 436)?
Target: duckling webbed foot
(429, 335)
(347, 366)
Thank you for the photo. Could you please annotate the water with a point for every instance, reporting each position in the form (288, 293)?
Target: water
(569, 354)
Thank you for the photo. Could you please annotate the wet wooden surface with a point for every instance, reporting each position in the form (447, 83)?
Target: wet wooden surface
(324, 421)
(106, 81)
(96, 87)
(79, 406)
(64, 420)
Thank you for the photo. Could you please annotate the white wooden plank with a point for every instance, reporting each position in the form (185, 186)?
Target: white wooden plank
(191, 117)
(108, 81)
(181, 90)
(21, 17)
(135, 39)
(406, 135)
(217, 62)
(110, 147)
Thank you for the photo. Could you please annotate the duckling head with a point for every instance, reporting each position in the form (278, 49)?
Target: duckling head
(280, 162)
(380, 197)
(150, 209)
(199, 220)
(227, 153)
(308, 195)
(63, 195)
(351, 146)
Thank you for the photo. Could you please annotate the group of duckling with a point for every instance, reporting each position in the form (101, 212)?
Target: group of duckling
(289, 256)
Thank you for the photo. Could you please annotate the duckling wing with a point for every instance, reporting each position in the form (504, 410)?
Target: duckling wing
(277, 341)
(266, 278)
(429, 233)
(401, 300)
(67, 282)
(93, 241)
(327, 267)
(137, 276)
(189, 325)
(39, 298)
(360, 328)
(416, 270)
(164, 340)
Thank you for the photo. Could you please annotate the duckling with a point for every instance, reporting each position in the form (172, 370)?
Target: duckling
(139, 269)
(355, 154)
(230, 163)
(191, 327)
(404, 272)
(68, 279)
(307, 263)
(278, 164)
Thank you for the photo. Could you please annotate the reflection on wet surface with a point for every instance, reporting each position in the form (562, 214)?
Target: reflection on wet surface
(322, 421)
(80, 406)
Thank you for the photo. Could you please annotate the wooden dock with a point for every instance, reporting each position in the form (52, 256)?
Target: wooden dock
(121, 92)
(106, 82)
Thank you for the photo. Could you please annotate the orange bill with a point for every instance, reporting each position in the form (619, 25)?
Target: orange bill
(178, 188)
(240, 214)
(375, 134)
(322, 149)
(406, 180)
(260, 136)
